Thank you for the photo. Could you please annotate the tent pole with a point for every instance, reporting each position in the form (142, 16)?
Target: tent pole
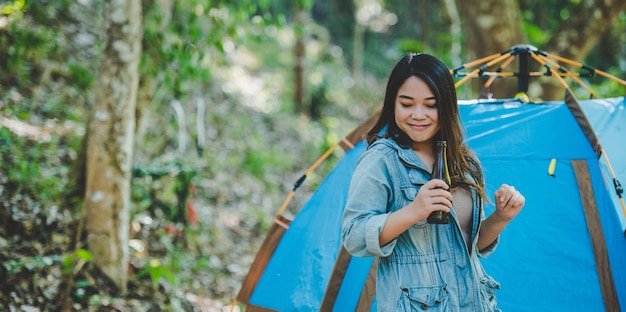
(618, 187)
(563, 72)
(593, 70)
(499, 70)
(477, 72)
(551, 70)
(522, 75)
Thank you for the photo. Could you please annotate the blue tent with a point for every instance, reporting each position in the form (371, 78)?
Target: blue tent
(565, 251)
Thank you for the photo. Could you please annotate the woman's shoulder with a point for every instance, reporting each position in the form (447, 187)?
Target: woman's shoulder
(380, 151)
(384, 145)
(389, 149)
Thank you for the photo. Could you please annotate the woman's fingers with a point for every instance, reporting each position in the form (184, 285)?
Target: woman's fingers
(509, 201)
(505, 193)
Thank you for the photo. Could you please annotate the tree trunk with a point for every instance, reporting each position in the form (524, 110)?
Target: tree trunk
(491, 26)
(576, 36)
(148, 92)
(358, 47)
(110, 141)
(298, 93)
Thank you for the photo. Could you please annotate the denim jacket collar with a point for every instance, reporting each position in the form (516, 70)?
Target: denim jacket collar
(406, 154)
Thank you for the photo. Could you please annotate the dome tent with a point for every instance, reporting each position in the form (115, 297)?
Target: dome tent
(566, 249)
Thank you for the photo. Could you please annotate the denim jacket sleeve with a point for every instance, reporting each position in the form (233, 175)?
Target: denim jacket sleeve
(366, 209)
(485, 252)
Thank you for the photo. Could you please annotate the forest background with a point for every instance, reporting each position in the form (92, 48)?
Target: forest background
(145, 146)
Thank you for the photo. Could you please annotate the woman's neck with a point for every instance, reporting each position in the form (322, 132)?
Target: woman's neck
(424, 152)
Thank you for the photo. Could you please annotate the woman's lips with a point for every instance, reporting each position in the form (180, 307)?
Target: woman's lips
(418, 127)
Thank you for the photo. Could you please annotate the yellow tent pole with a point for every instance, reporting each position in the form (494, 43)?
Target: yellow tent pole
(286, 202)
(575, 77)
(499, 74)
(467, 77)
(599, 72)
(554, 73)
(564, 60)
(616, 184)
(584, 85)
(476, 62)
(532, 74)
(303, 177)
(322, 158)
(502, 66)
(607, 75)
(476, 71)
(233, 305)
(481, 60)
(542, 57)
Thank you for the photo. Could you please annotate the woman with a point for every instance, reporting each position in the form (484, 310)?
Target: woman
(422, 265)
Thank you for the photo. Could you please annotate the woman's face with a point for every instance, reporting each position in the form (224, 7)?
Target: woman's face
(416, 112)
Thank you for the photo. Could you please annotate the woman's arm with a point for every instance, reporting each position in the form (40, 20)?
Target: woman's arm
(432, 196)
(509, 202)
(366, 207)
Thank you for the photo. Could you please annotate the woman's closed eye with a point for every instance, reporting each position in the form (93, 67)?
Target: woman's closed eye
(431, 104)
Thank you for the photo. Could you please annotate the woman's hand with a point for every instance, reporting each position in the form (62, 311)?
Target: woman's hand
(509, 202)
(432, 196)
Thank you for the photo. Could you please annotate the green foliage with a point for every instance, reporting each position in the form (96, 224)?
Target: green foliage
(608, 56)
(14, 266)
(261, 156)
(32, 167)
(12, 9)
(35, 62)
(163, 190)
(156, 271)
(536, 35)
(72, 263)
(82, 76)
(410, 45)
(254, 163)
(178, 42)
(26, 48)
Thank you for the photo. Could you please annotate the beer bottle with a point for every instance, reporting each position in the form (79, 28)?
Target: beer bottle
(440, 171)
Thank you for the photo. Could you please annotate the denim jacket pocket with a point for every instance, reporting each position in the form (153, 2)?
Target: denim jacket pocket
(432, 298)
(409, 195)
(488, 288)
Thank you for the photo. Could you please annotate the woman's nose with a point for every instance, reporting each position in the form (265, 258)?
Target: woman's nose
(418, 112)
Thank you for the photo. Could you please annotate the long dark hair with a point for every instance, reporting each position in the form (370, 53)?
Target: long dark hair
(465, 170)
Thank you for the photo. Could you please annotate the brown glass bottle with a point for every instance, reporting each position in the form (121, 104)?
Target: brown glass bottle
(440, 171)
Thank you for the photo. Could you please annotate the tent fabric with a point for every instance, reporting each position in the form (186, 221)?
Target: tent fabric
(564, 252)
(598, 242)
(546, 260)
(273, 237)
(296, 276)
(608, 118)
(581, 118)
(337, 293)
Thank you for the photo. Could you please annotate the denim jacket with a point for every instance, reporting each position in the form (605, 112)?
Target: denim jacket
(426, 267)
